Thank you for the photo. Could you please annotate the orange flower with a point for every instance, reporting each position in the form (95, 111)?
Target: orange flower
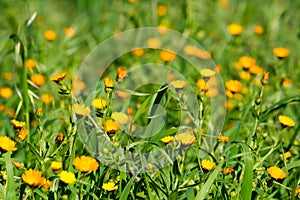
(286, 82)
(258, 30)
(47, 98)
(50, 35)
(202, 54)
(108, 82)
(276, 173)
(30, 63)
(153, 43)
(69, 32)
(207, 73)
(17, 124)
(138, 51)
(297, 191)
(162, 29)
(287, 155)
(212, 92)
(228, 170)
(45, 183)
(58, 77)
(246, 62)
(6, 92)
(224, 3)
(22, 134)
(121, 73)
(60, 137)
(32, 177)
(256, 70)
(266, 76)
(6, 144)
(85, 163)
(201, 84)
(190, 50)
(208, 165)
(111, 126)
(223, 138)
(161, 10)
(245, 75)
(234, 86)
(120, 117)
(235, 29)
(281, 52)
(38, 79)
(18, 165)
(81, 110)
(167, 55)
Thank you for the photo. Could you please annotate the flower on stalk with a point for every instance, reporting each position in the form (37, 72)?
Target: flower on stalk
(32, 177)
(234, 86)
(208, 165)
(69, 32)
(45, 183)
(286, 82)
(281, 52)
(286, 121)
(18, 125)
(47, 98)
(85, 163)
(206, 74)
(121, 73)
(30, 63)
(110, 126)
(235, 29)
(58, 77)
(56, 165)
(186, 138)
(246, 62)
(99, 103)
(110, 186)
(167, 139)
(67, 177)
(228, 170)
(287, 155)
(276, 173)
(50, 35)
(120, 117)
(178, 84)
(81, 109)
(22, 134)
(108, 82)
(18, 165)
(6, 92)
(60, 137)
(6, 144)
(138, 51)
(258, 30)
(38, 79)
(256, 70)
(223, 138)
(167, 55)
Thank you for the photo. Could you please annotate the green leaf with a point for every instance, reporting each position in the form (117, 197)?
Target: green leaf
(207, 185)
(246, 191)
(11, 185)
(124, 195)
(190, 194)
(35, 152)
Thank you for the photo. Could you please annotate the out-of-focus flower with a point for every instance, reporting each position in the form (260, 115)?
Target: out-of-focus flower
(60, 137)
(99, 103)
(228, 170)
(38, 79)
(50, 35)
(186, 138)
(120, 117)
(22, 134)
(246, 62)
(108, 82)
(223, 138)
(58, 77)
(276, 173)
(235, 29)
(281, 52)
(30, 63)
(287, 155)
(138, 51)
(6, 92)
(258, 30)
(153, 43)
(69, 32)
(121, 73)
(18, 125)
(18, 165)
(81, 109)
(207, 73)
(47, 98)
(167, 55)
(161, 10)
(178, 84)
(85, 163)
(45, 183)
(286, 82)
(234, 86)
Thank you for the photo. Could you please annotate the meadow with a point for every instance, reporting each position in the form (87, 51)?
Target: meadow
(140, 99)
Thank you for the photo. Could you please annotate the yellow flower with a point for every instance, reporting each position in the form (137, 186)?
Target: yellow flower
(161, 10)
(81, 110)
(212, 92)
(30, 63)
(50, 35)
(286, 82)
(122, 72)
(99, 103)
(286, 121)
(208, 165)
(8, 76)
(297, 191)
(38, 79)
(108, 82)
(246, 62)
(202, 54)
(234, 86)
(178, 84)
(22, 134)
(245, 75)
(223, 138)
(4, 174)
(17, 124)
(85, 163)
(235, 29)
(32, 177)
(167, 55)
(224, 3)
(206, 74)
(47, 98)
(45, 183)
(153, 43)
(67, 177)
(281, 52)
(6, 144)
(287, 155)
(69, 32)
(255, 69)
(110, 186)
(6, 92)
(201, 84)
(162, 29)
(138, 51)
(120, 117)
(186, 138)
(276, 173)
(111, 126)
(167, 139)
(56, 165)
(18, 165)
(58, 77)
(258, 30)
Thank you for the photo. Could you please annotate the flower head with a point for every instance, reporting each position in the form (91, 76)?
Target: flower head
(281, 52)
(99, 103)
(235, 29)
(138, 51)
(286, 121)
(32, 177)
(60, 137)
(228, 170)
(18, 165)
(167, 139)
(208, 165)
(120, 117)
(47, 98)
(17, 124)
(287, 155)
(85, 163)
(234, 86)
(186, 138)
(276, 173)
(246, 62)
(58, 77)
(207, 73)
(110, 126)
(38, 79)
(56, 165)
(45, 183)
(153, 43)
(258, 30)
(67, 177)
(161, 10)
(30, 63)
(121, 73)
(22, 134)
(167, 55)
(81, 110)
(6, 92)
(69, 32)
(108, 82)
(6, 144)
(223, 138)
(178, 84)
(50, 35)
(110, 186)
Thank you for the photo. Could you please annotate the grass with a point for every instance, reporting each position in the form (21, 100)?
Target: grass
(129, 152)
